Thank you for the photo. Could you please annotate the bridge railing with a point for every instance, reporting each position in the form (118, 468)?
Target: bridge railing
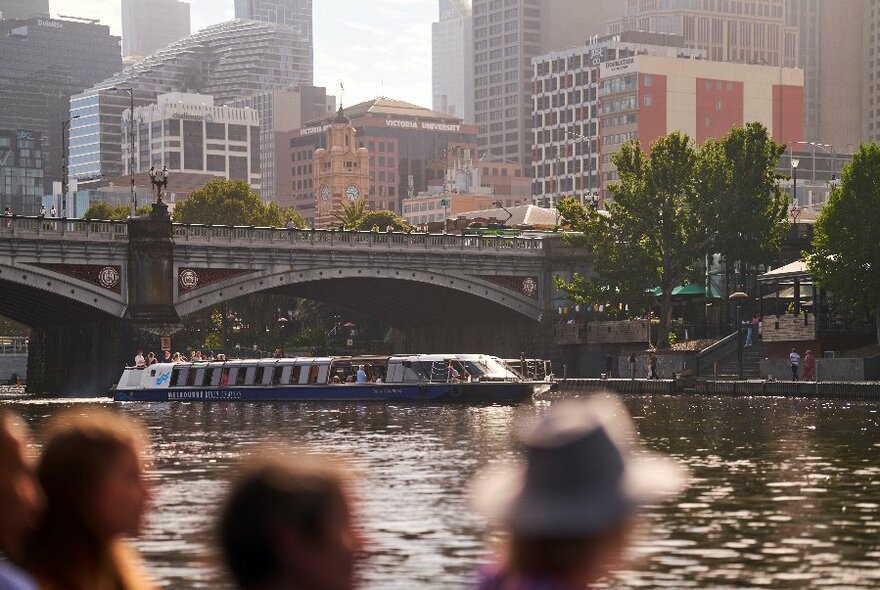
(56, 227)
(356, 239)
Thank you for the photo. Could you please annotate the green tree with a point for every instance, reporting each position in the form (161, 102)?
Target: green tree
(232, 202)
(102, 211)
(650, 235)
(742, 206)
(382, 219)
(351, 214)
(846, 255)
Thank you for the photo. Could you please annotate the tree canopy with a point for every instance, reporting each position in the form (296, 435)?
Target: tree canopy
(382, 219)
(672, 207)
(103, 211)
(232, 202)
(743, 207)
(846, 254)
(351, 213)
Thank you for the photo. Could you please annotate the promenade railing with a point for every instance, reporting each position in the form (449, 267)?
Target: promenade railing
(26, 226)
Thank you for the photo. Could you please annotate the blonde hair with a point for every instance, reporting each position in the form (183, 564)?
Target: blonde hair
(81, 449)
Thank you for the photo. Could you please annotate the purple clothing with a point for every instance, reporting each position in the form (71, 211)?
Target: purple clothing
(13, 578)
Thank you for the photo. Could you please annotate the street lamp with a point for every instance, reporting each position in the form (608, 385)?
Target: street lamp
(130, 92)
(738, 298)
(795, 210)
(65, 127)
(282, 324)
(159, 178)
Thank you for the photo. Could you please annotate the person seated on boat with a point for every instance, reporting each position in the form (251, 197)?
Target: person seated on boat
(288, 523)
(350, 379)
(361, 374)
(139, 360)
(166, 357)
(379, 379)
(177, 358)
(336, 380)
(570, 508)
(221, 358)
(151, 359)
(224, 376)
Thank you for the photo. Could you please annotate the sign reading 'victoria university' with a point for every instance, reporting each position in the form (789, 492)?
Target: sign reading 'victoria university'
(396, 124)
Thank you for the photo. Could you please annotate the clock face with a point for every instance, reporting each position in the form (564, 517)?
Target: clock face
(352, 192)
(325, 193)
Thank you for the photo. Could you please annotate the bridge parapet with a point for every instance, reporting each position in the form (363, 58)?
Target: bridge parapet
(274, 237)
(49, 228)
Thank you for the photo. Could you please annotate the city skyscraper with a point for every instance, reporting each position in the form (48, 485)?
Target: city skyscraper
(452, 60)
(296, 14)
(231, 60)
(23, 8)
(506, 39)
(43, 62)
(747, 32)
(151, 25)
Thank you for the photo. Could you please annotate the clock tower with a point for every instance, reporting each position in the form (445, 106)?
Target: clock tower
(341, 171)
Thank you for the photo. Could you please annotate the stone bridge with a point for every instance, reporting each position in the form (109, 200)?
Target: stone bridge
(89, 289)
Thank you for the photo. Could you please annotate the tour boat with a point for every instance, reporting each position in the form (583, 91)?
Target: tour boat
(421, 377)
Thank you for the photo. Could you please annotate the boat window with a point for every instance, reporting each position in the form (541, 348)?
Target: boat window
(240, 374)
(276, 375)
(209, 375)
(191, 377)
(314, 370)
(295, 374)
(224, 376)
(176, 376)
(258, 375)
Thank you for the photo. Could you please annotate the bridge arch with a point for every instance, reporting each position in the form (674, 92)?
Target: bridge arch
(382, 292)
(34, 296)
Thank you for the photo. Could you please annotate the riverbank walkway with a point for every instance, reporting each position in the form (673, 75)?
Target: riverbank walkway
(866, 390)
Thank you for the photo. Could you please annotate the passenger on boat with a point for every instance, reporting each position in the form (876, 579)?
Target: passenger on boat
(139, 360)
(336, 379)
(452, 376)
(288, 523)
(379, 379)
(167, 357)
(580, 451)
(151, 359)
(361, 374)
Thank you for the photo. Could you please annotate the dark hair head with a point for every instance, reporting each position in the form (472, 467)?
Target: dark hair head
(299, 494)
(80, 450)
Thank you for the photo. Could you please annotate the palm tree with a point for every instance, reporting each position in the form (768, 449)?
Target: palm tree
(349, 217)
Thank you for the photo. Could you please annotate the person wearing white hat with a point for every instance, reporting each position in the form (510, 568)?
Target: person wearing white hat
(569, 507)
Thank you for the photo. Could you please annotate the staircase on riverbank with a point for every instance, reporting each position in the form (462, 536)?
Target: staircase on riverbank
(752, 357)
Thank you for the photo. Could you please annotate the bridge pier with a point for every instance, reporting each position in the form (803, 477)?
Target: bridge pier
(82, 359)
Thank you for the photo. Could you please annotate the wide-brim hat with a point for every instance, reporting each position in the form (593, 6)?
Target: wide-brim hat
(582, 473)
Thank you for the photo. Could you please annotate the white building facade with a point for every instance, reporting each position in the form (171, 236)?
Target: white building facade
(188, 133)
(452, 60)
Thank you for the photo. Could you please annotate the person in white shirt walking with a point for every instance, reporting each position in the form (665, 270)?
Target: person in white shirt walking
(795, 360)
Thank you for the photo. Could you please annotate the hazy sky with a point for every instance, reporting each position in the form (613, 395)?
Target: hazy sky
(378, 48)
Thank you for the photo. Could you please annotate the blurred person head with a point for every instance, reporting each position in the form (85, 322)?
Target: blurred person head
(92, 471)
(569, 509)
(288, 524)
(21, 500)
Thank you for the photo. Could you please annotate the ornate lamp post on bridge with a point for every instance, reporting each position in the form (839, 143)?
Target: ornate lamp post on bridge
(159, 178)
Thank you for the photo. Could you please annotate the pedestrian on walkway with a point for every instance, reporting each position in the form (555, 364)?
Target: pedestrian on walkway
(632, 366)
(750, 328)
(21, 502)
(652, 367)
(570, 509)
(809, 366)
(795, 360)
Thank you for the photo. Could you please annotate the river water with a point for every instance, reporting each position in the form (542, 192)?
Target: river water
(784, 493)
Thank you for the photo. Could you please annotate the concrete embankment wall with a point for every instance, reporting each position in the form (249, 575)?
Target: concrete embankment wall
(13, 364)
(868, 390)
